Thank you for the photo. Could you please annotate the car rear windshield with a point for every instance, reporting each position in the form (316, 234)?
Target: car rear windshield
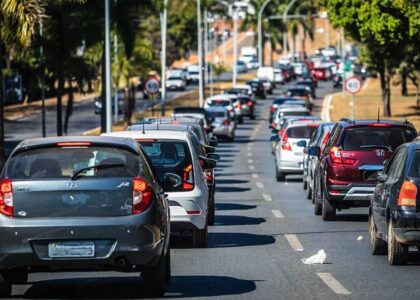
(415, 165)
(297, 92)
(301, 132)
(219, 103)
(63, 162)
(174, 78)
(294, 113)
(170, 156)
(366, 138)
(217, 114)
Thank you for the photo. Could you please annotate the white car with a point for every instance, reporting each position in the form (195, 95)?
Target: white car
(278, 76)
(223, 100)
(175, 83)
(193, 73)
(174, 152)
(223, 124)
(288, 111)
(244, 89)
(266, 73)
(289, 150)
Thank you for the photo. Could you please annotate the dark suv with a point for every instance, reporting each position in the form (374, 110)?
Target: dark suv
(394, 214)
(354, 154)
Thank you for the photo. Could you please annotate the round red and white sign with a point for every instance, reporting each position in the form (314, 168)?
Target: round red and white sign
(152, 86)
(353, 85)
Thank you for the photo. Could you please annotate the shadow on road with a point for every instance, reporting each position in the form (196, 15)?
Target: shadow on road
(133, 287)
(231, 181)
(352, 217)
(231, 189)
(237, 220)
(233, 206)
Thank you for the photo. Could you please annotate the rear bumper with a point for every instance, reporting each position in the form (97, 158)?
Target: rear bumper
(407, 227)
(292, 165)
(352, 195)
(120, 243)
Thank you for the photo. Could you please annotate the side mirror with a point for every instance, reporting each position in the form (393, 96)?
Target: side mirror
(275, 138)
(214, 156)
(382, 178)
(209, 149)
(171, 180)
(213, 141)
(314, 151)
(207, 163)
(301, 144)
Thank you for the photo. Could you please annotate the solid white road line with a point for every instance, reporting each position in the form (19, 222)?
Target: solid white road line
(260, 185)
(333, 284)
(254, 175)
(251, 167)
(267, 197)
(294, 242)
(277, 213)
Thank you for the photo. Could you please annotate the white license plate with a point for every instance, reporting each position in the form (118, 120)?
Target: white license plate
(71, 249)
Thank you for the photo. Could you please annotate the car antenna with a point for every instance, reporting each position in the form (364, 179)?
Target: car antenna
(379, 110)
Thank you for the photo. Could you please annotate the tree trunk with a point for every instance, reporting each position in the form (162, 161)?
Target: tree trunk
(132, 102)
(403, 83)
(293, 47)
(304, 42)
(385, 79)
(103, 84)
(69, 109)
(60, 103)
(2, 142)
(126, 108)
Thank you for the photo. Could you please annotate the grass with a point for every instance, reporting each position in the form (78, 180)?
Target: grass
(187, 99)
(368, 101)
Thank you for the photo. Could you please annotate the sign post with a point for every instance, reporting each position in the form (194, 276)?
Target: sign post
(353, 85)
(152, 87)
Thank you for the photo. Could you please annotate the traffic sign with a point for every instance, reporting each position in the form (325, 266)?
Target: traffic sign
(152, 86)
(353, 85)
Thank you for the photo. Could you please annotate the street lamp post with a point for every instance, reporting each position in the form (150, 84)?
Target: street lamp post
(41, 52)
(286, 11)
(164, 17)
(235, 45)
(108, 112)
(260, 46)
(200, 56)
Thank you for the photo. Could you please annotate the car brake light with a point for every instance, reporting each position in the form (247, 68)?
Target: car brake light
(226, 122)
(281, 132)
(142, 195)
(249, 103)
(408, 194)
(285, 143)
(238, 105)
(380, 125)
(273, 108)
(337, 157)
(193, 212)
(313, 125)
(209, 175)
(274, 124)
(73, 144)
(6, 197)
(188, 180)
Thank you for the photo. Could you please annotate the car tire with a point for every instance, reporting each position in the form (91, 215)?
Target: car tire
(328, 211)
(5, 285)
(309, 192)
(317, 208)
(168, 273)
(231, 138)
(200, 237)
(377, 245)
(397, 252)
(279, 175)
(240, 120)
(305, 183)
(156, 277)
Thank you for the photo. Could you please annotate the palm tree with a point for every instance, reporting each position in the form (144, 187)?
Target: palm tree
(18, 19)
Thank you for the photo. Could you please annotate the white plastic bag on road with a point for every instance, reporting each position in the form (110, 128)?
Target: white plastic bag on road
(319, 258)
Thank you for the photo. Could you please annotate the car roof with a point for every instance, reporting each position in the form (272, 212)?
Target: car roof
(294, 108)
(159, 126)
(348, 122)
(100, 140)
(304, 123)
(149, 134)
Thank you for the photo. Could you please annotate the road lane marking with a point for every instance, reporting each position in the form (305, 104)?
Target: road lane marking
(249, 154)
(333, 284)
(251, 167)
(250, 161)
(294, 242)
(267, 197)
(277, 213)
(260, 185)
(254, 175)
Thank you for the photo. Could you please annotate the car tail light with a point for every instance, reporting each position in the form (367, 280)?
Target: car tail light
(285, 143)
(188, 179)
(281, 132)
(74, 144)
(193, 212)
(226, 122)
(249, 103)
(408, 194)
(142, 195)
(337, 157)
(6, 197)
(209, 175)
(274, 124)
(273, 108)
(238, 105)
(380, 125)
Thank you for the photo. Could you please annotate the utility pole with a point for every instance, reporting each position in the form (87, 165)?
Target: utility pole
(260, 38)
(206, 46)
(235, 45)
(164, 17)
(108, 106)
(200, 56)
(41, 52)
(286, 11)
(116, 108)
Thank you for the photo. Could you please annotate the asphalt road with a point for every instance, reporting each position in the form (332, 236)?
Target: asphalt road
(263, 230)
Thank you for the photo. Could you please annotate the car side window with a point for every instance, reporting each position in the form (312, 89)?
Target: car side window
(397, 165)
(334, 133)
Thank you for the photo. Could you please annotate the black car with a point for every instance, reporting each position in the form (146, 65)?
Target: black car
(82, 203)
(276, 104)
(394, 214)
(309, 83)
(257, 87)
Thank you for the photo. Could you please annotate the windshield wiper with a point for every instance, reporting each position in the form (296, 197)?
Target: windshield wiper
(100, 166)
(377, 147)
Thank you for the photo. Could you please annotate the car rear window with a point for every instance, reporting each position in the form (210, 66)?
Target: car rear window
(170, 156)
(297, 92)
(219, 103)
(415, 165)
(294, 113)
(63, 162)
(301, 132)
(217, 114)
(365, 138)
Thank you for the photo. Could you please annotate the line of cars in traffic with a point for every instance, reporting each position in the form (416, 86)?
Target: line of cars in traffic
(353, 163)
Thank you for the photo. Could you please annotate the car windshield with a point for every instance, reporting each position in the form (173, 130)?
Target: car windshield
(301, 132)
(217, 114)
(169, 156)
(369, 137)
(415, 165)
(58, 162)
(174, 78)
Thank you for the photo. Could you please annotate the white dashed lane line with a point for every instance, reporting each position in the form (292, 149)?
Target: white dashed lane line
(249, 154)
(277, 213)
(260, 185)
(254, 175)
(294, 242)
(251, 167)
(250, 161)
(267, 197)
(333, 284)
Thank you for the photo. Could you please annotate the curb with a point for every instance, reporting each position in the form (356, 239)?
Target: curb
(325, 113)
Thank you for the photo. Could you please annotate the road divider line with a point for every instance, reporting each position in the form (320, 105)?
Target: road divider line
(267, 197)
(333, 284)
(294, 242)
(277, 213)
(260, 185)
(254, 175)
(251, 167)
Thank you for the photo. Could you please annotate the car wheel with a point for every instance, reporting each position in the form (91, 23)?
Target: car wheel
(200, 237)
(168, 273)
(231, 138)
(279, 175)
(397, 253)
(377, 245)
(305, 183)
(241, 120)
(156, 277)
(328, 211)
(309, 192)
(5, 285)
(317, 208)
(211, 212)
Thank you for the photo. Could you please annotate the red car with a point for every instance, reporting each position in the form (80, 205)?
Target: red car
(321, 73)
(348, 168)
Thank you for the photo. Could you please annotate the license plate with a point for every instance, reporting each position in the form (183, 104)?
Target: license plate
(71, 249)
